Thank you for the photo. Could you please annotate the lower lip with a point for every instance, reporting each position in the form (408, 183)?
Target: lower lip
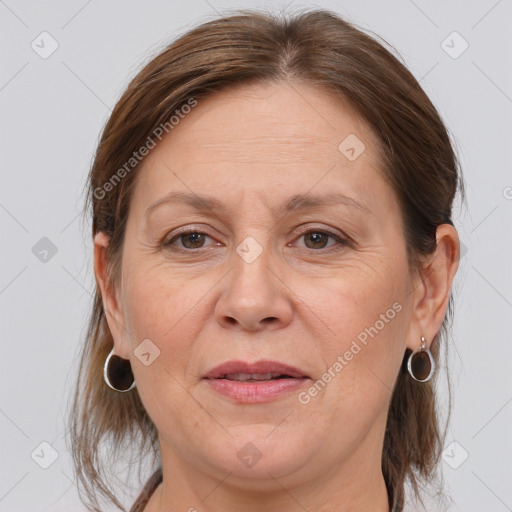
(255, 392)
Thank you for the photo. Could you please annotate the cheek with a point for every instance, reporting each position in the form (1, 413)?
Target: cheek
(364, 319)
(356, 299)
(165, 311)
(155, 301)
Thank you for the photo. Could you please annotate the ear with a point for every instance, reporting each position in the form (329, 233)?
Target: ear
(113, 312)
(432, 288)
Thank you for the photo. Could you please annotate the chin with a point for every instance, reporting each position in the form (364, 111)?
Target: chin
(256, 453)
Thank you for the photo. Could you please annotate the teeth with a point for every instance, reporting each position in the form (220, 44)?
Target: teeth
(251, 376)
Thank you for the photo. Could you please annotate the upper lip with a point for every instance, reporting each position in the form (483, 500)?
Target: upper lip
(259, 367)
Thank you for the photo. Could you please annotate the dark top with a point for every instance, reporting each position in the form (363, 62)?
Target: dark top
(149, 489)
(154, 482)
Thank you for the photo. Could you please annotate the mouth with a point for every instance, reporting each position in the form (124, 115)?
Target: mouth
(261, 370)
(258, 382)
(255, 377)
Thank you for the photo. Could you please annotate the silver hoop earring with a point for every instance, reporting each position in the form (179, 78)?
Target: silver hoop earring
(117, 373)
(421, 364)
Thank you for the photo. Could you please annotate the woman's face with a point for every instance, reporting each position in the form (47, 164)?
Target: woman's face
(298, 258)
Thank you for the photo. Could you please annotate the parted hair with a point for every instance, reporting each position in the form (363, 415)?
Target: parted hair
(316, 47)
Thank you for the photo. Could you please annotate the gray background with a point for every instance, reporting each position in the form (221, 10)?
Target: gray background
(52, 111)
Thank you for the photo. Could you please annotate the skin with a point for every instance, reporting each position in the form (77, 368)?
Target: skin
(302, 301)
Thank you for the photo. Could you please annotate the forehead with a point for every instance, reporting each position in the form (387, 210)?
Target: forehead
(298, 116)
(273, 138)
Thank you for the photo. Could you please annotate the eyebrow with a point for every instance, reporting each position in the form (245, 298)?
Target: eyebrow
(296, 202)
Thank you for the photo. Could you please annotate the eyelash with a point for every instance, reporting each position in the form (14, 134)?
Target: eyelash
(341, 242)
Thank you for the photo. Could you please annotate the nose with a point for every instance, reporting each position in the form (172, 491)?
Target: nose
(255, 297)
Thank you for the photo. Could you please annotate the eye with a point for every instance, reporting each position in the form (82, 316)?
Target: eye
(190, 239)
(318, 239)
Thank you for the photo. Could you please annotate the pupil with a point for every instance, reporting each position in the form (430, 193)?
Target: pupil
(194, 238)
(316, 237)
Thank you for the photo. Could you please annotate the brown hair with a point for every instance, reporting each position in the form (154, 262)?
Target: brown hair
(319, 48)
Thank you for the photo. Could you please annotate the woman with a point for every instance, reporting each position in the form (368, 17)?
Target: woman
(274, 250)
